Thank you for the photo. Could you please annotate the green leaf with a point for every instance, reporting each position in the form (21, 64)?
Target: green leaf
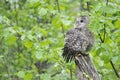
(45, 77)
(105, 58)
(117, 23)
(37, 4)
(43, 31)
(110, 9)
(45, 42)
(56, 22)
(115, 59)
(21, 74)
(28, 76)
(1, 56)
(11, 40)
(28, 44)
(42, 12)
(66, 22)
(38, 55)
(117, 1)
(100, 50)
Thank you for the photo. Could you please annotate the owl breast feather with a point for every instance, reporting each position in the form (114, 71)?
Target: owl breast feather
(76, 42)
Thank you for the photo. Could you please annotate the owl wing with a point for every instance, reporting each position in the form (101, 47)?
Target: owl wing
(75, 43)
(91, 39)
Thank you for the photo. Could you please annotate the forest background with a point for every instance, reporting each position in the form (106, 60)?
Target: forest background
(32, 38)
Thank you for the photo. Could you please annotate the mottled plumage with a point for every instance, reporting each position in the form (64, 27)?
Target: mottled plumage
(78, 40)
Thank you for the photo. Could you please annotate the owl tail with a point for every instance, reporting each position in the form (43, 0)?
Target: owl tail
(68, 54)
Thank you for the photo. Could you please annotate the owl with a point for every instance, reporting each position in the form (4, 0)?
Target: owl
(78, 40)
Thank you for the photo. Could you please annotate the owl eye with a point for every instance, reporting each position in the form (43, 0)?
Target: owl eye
(81, 21)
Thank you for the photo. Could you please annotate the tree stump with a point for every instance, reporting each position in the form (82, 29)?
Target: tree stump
(86, 69)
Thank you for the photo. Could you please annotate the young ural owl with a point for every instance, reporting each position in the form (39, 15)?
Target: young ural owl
(78, 40)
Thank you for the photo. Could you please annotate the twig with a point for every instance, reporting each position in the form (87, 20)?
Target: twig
(104, 27)
(104, 33)
(55, 74)
(100, 38)
(5, 60)
(107, 2)
(114, 69)
(71, 74)
(58, 6)
(6, 65)
(88, 7)
(81, 5)
(63, 30)
(17, 23)
(16, 14)
(105, 24)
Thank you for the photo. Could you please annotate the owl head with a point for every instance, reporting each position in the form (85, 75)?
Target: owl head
(81, 21)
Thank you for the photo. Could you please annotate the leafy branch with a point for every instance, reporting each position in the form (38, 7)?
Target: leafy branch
(58, 6)
(103, 40)
(114, 69)
(104, 28)
(88, 6)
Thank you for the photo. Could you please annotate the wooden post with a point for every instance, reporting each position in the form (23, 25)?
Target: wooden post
(86, 69)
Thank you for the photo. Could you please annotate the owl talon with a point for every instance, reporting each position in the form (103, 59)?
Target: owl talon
(79, 55)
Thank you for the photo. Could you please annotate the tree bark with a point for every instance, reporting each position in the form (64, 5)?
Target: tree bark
(86, 69)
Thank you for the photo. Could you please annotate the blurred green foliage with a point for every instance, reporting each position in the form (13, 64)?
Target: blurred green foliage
(31, 37)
